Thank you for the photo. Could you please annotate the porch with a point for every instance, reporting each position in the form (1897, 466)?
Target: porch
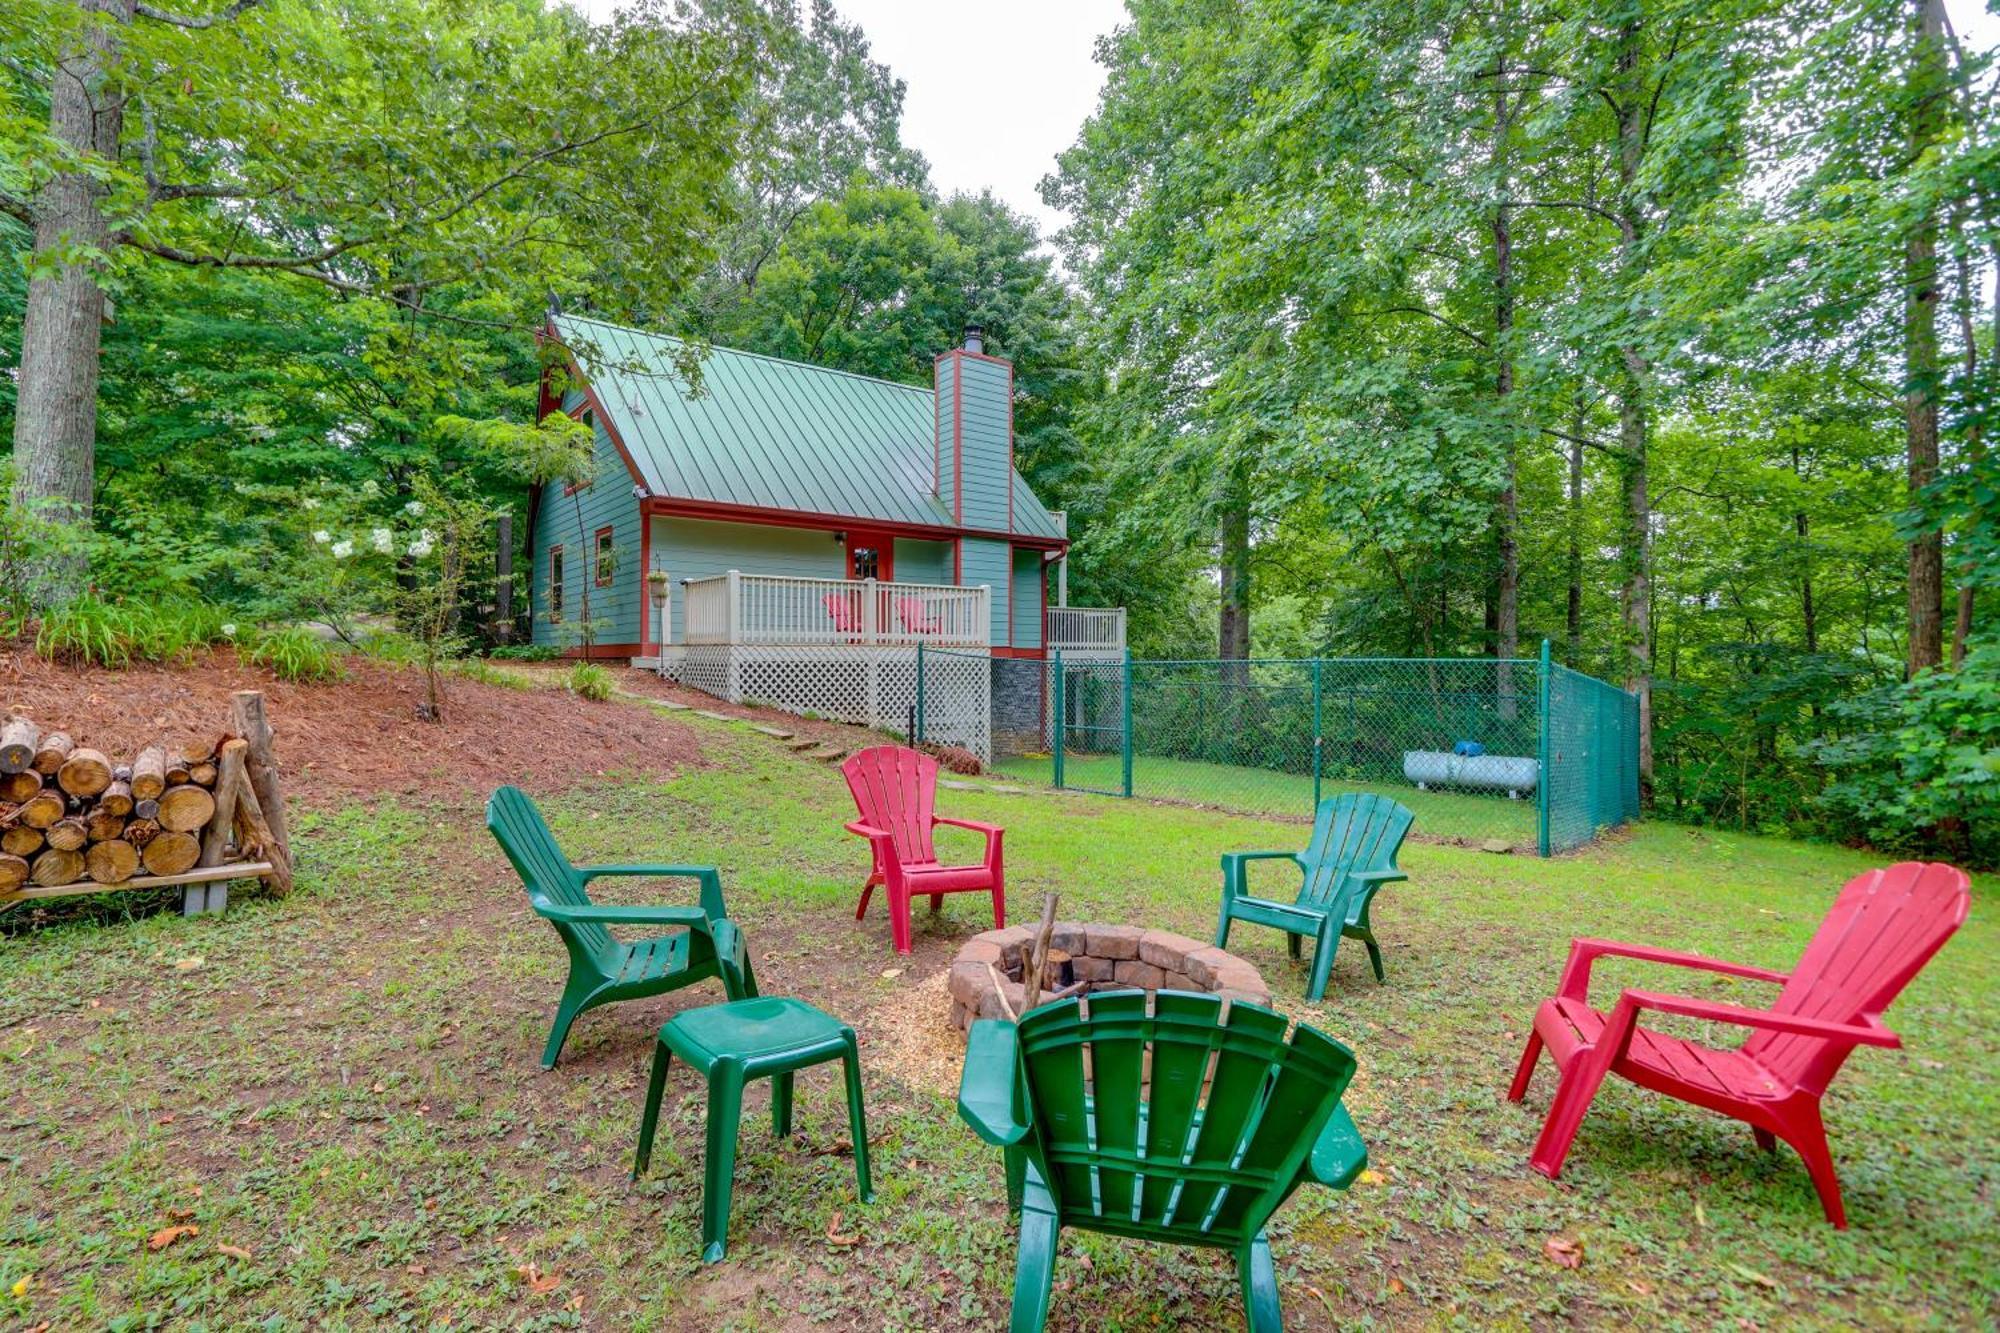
(764, 610)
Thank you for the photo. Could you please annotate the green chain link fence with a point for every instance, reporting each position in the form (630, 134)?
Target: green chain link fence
(1463, 742)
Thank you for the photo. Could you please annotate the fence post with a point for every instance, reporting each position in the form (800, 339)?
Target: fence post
(1061, 723)
(1125, 722)
(920, 692)
(1316, 733)
(1542, 754)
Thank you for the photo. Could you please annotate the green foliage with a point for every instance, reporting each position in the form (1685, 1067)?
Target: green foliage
(1918, 767)
(296, 654)
(92, 632)
(590, 681)
(526, 652)
(473, 668)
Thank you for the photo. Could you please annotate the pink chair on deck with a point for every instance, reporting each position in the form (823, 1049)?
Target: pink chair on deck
(1881, 930)
(896, 792)
(844, 610)
(917, 620)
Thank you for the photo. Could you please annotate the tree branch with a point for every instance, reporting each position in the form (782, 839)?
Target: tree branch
(1585, 441)
(236, 7)
(1604, 213)
(1455, 327)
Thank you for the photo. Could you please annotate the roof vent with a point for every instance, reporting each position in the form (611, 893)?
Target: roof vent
(975, 338)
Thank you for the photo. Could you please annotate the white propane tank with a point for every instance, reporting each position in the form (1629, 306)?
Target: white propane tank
(1512, 774)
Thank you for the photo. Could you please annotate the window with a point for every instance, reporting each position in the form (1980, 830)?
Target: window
(555, 583)
(867, 563)
(605, 561)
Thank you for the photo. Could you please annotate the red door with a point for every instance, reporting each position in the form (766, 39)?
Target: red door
(871, 555)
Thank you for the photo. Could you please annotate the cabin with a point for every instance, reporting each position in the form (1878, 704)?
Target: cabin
(796, 534)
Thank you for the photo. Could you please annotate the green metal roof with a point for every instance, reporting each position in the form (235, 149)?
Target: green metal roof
(774, 434)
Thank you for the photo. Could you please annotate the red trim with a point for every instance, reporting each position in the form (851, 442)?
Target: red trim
(884, 544)
(787, 518)
(957, 445)
(557, 593)
(1017, 652)
(958, 564)
(597, 576)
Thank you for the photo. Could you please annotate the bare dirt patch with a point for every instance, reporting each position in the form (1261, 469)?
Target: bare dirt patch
(648, 683)
(360, 736)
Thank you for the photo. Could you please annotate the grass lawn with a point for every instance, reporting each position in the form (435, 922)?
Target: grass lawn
(340, 1090)
(1262, 791)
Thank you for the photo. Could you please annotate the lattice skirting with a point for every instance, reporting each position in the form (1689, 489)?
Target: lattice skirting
(875, 687)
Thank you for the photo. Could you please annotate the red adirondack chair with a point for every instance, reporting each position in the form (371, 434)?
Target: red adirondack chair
(1881, 930)
(896, 792)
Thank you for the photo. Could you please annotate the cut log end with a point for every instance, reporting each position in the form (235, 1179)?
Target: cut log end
(185, 808)
(111, 862)
(53, 752)
(19, 739)
(66, 835)
(13, 872)
(55, 867)
(85, 773)
(149, 774)
(18, 787)
(170, 852)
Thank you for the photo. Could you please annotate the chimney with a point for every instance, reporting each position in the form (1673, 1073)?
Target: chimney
(975, 435)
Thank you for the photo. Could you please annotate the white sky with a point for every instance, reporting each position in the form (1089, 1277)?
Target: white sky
(995, 94)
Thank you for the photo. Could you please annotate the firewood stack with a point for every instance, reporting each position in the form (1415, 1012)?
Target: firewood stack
(71, 815)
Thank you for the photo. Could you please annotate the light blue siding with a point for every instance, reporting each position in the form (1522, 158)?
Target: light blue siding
(922, 562)
(990, 563)
(572, 521)
(1027, 599)
(693, 548)
(945, 377)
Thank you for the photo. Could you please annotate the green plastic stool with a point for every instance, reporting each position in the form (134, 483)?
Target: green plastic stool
(730, 1044)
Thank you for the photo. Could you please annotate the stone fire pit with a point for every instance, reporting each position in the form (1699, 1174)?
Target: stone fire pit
(1100, 957)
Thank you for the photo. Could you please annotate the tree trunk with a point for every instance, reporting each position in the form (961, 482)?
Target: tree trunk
(1233, 640)
(55, 414)
(1573, 618)
(1928, 91)
(1507, 516)
(1635, 541)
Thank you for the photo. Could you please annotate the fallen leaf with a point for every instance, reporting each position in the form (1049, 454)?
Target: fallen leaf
(233, 1251)
(1371, 1177)
(1700, 1214)
(1396, 1287)
(1563, 1251)
(180, 1214)
(21, 1286)
(1752, 1275)
(1641, 1288)
(890, 974)
(539, 1282)
(416, 1270)
(835, 1236)
(379, 1088)
(166, 1236)
(166, 1119)
(190, 964)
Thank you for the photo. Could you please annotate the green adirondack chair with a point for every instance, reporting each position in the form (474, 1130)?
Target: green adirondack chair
(602, 970)
(1355, 839)
(1109, 1151)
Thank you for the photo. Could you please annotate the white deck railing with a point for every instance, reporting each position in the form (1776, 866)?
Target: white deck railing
(767, 609)
(1087, 630)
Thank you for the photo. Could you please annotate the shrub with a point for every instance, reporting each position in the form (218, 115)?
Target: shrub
(473, 668)
(87, 632)
(295, 654)
(590, 680)
(526, 652)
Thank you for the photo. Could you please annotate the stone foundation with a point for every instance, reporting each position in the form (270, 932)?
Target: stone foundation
(1103, 958)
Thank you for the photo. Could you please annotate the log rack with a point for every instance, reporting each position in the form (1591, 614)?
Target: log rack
(226, 807)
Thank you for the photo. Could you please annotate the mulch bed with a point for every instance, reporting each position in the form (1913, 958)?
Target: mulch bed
(360, 736)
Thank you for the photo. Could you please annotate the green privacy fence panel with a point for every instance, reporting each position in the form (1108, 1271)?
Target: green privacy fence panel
(1462, 742)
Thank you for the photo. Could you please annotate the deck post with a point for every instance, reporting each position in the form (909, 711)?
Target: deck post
(917, 739)
(1125, 720)
(1542, 756)
(733, 616)
(1061, 723)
